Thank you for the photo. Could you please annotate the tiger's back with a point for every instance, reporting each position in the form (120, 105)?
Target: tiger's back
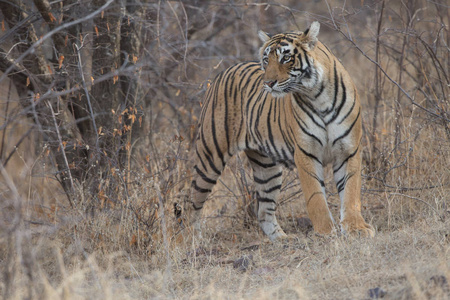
(298, 107)
(222, 125)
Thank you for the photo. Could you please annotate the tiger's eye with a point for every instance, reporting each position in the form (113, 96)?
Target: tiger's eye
(286, 59)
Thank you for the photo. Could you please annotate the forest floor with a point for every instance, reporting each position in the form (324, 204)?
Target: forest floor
(84, 258)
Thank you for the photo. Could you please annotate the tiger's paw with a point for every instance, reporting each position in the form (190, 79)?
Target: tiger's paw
(278, 236)
(355, 224)
(325, 226)
(273, 231)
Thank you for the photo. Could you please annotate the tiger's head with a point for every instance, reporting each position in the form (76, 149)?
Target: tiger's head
(289, 62)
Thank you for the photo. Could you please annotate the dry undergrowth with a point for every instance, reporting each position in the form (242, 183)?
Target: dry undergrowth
(132, 251)
(409, 263)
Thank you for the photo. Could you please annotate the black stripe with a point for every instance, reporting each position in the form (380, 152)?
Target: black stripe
(272, 189)
(285, 139)
(263, 165)
(213, 129)
(300, 100)
(257, 119)
(309, 155)
(200, 159)
(326, 47)
(211, 164)
(298, 119)
(259, 113)
(322, 87)
(307, 61)
(291, 142)
(336, 91)
(207, 101)
(199, 189)
(266, 200)
(250, 111)
(252, 94)
(248, 75)
(301, 104)
(351, 109)
(343, 182)
(300, 60)
(227, 92)
(264, 181)
(348, 130)
(321, 182)
(324, 52)
(291, 35)
(286, 158)
(269, 128)
(255, 88)
(275, 111)
(204, 177)
(208, 156)
(345, 160)
(249, 78)
(338, 110)
(314, 194)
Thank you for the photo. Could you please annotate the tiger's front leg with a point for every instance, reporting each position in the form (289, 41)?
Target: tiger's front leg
(347, 176)
(310, 171)
(268, 178)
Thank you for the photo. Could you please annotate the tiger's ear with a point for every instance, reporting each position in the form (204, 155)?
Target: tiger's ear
(311, 35)
(263, 36)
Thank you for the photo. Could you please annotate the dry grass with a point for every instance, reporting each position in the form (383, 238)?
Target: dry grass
(130, 246)
(69, 254)
(404, 263)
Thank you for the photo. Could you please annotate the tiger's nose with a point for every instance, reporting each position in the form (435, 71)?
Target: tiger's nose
(270, 83)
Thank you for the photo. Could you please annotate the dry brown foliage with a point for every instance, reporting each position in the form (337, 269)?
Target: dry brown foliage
(98, 123)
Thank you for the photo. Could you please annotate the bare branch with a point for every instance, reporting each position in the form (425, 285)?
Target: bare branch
(421, 201)
(63, 151)
(45, 9)
(389, 77)
(51, 33)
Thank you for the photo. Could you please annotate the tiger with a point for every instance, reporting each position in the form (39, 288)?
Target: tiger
(295, 107)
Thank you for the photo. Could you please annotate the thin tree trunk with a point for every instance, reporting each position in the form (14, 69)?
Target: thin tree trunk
(377, 80)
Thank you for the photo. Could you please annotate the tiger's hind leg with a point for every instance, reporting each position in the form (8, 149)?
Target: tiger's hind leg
(209, 166)
(268, 177)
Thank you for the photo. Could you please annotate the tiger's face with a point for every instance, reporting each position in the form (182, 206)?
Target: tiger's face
(288, 61)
